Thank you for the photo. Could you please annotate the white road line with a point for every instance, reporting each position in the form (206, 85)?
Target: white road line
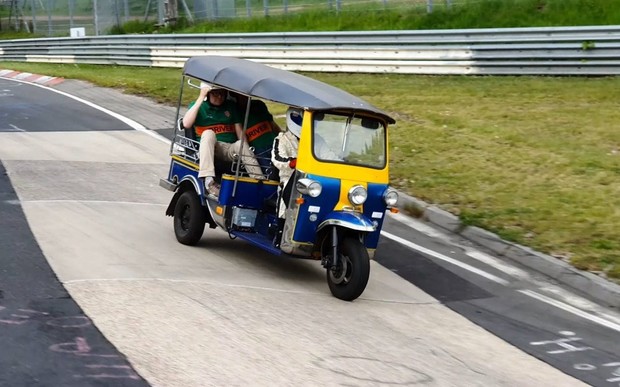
(133, 124)
(571, 309)
(16, 128)
(477, 255)
(499, 265)
(418, 225)
(530, 293)
(453, 261)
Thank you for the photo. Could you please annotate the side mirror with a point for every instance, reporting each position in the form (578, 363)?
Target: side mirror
(370, 123)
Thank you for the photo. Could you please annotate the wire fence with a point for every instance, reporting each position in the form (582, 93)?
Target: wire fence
(99, 17)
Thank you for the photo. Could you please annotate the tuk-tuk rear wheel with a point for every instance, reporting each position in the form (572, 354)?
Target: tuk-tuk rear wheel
(189, 218)
(349, 278)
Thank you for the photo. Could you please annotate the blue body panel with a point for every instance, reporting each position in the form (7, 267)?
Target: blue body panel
(258, 240)
(180, 172)
(305, 229)
(374, 209)
(323, 207)
(249, 194)
(255, 195)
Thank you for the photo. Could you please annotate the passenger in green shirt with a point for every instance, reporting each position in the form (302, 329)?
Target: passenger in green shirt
(261, 129)
(218, 125)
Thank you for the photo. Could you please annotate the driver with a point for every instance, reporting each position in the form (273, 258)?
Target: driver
(218, 127)
(284, 154)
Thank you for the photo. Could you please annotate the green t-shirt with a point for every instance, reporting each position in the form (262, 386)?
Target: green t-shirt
(220, 119)
(260, 134)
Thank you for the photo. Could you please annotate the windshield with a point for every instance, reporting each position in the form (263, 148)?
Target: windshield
(349, 139)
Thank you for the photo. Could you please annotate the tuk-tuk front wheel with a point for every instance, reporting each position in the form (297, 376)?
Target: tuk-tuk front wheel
(347, 280)
(189, 218)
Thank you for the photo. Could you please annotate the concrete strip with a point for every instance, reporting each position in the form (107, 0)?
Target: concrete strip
(123, 146)
(224, 312)
(231, 314)
(191, 334)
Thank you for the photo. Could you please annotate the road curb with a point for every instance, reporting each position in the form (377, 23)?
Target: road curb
(599, 288)
(31, 78)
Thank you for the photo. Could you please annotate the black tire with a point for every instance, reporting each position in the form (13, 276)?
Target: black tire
(189, 218)
(348, 281)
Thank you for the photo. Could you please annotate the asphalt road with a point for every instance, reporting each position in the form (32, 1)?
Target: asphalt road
(83, 198)
(47, 340)
(526, 309)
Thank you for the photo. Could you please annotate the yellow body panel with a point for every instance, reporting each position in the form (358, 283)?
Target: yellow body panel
(307, 163)
(343, 201)
(248, 179)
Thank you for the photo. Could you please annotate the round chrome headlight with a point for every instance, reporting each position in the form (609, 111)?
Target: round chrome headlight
(390, 197)
(309, 187)
(315, 189)
(358, 195)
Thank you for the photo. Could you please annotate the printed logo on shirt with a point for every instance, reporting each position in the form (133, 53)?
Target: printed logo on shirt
(258, 130)
(217, 129)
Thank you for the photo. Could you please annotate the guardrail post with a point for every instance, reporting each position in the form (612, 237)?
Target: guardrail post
(49, 17)
(71, 6)
(34, 16)
(126, 9)
(212, 5)
(160, 12)
(95, 17)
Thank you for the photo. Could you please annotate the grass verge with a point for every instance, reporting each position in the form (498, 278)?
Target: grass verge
(377, 15)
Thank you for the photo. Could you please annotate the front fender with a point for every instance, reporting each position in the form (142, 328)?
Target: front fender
(188, 183)
(351, 220)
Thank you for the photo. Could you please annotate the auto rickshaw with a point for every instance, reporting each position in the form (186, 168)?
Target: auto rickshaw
(337, 204)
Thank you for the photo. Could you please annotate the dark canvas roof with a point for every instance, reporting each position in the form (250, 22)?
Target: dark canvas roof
(262, 81)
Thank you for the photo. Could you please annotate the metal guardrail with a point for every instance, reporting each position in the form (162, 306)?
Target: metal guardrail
(516, 51)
